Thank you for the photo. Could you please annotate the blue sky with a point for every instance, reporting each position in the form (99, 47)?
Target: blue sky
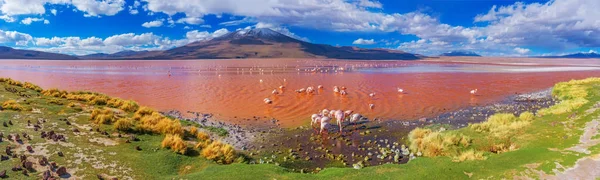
(430, 27)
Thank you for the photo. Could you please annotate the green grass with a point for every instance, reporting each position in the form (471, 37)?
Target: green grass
(538, 145)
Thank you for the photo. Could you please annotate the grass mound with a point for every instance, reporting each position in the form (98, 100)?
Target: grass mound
(102, 116)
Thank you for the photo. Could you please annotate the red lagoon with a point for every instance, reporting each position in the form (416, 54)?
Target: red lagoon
(232, 89)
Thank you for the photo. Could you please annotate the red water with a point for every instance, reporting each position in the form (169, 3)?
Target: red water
(231, 89)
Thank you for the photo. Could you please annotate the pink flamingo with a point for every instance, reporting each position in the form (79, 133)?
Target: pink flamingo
(371, 106)
(400, 90)
(336, 89)
(275, 92)
(324, 123)
(339, 116)
(267, 101)
(473, 92)
(315, 119)
(372, 95)
(343, 92)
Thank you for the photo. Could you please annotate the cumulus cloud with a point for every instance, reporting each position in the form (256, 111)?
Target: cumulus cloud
(155, 23)
(89, 7)
(7, 18)
(522, 50)
(29, 20)
(362, 41)
(191, 20)
(119, 42)
(280, 29)
(555, 24)
(53, 11)
(15, 37)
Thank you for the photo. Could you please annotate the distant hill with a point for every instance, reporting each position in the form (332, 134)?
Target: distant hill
(460, 53)
(266, 43)
(117, 55)
(255, 43)
(10, 53)
(581, 55)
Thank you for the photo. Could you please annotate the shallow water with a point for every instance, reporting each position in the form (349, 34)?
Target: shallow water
(232, 91)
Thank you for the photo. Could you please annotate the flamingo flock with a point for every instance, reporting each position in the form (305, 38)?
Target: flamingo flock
(324, 117)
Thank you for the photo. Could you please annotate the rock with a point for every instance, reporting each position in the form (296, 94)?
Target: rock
(61, 171)
(30, 149)
(10, 122)
(75, 130)
(4, 124)
(60, 153)
(3, 158)
(17, 168)
(28, 165)
(138, 148)
(133, 138)
(23, 158)
(53, 165)
(47, 175)
(68, 123)
(3, 174)
(127, 141)
(25, 172)
(43, 161)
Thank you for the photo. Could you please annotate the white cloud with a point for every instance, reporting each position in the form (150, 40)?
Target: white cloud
(556, 24)
(155, 23)
(370, 4)
(362, 41)
(29, 20)
(53, 11)
(89, 7)
(7, 18)
(18, 38)
(522, 50)
(191, 20)
(46, 21)
(280, 29)
(96, 8)
(133, 8)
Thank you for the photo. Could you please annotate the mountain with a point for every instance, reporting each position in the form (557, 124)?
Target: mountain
(581, 55)
(266, 43)
(117, 55)
(460, 53)
(10, 53)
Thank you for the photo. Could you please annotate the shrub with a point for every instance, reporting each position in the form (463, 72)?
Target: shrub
(469, 155)
(11, 82)
(193, 130)
(436, 143)
(219, 152)
(123, 124)
(102, 116)
(526, 116)
(56, 101)
(125, 105)
(203, 144)
(502, 124)
(202, 136)
(31, 86)
(55, 93)
(175, 143)
(152, 121)
(12, 105)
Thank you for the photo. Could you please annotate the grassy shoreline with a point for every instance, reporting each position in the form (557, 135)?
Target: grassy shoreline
(502, 147)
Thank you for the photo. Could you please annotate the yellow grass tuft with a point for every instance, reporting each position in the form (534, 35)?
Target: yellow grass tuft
(152, 121)
(436, 143)
(526, 116)
(202, 136)
(219, 152)
(102, 116)
(123, 124)
(125, 105)
(502, 124)
(469, 155)
(203, 143)
(55, 93)
(175, 143)
(12, 105)
(31, 86)
(193, 130)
